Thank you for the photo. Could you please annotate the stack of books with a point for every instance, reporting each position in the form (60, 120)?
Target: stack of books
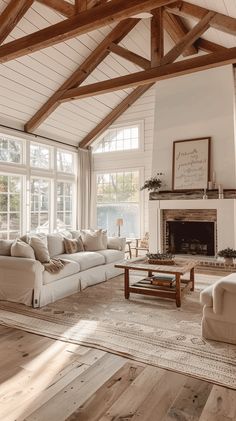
(159, 281)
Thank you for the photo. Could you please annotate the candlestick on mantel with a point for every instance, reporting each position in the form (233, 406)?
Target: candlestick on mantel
(220, 189)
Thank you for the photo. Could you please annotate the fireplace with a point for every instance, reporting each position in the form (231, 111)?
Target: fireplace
(190, 237)
(190, 232)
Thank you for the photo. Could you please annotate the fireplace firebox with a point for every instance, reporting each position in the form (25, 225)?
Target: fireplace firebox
(190, 237)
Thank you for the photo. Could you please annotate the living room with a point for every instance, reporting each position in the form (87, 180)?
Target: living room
(117, 210)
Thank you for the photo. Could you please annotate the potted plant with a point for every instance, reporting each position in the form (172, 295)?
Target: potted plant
(153, 183)
(229, 254)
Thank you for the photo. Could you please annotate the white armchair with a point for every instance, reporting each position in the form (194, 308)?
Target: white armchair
(219, 311)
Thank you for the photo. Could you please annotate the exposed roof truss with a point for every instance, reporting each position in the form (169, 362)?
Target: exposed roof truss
(86, 15)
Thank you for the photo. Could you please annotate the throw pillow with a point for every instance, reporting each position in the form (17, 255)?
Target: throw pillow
(21, 249)
(73, 246)
(40, 248)
(92, 240)
(5, 247)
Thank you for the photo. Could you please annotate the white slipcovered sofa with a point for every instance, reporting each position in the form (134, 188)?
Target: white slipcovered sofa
(26, 281)
(219, 311)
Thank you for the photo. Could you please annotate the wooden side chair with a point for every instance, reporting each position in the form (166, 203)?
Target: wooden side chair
(141, 244)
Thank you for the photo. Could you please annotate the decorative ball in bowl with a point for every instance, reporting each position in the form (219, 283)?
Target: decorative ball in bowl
(160, 258)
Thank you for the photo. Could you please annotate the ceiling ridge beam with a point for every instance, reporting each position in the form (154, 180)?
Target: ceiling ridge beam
(82, 72)
(188, 39)
(176, 29)
(84, 22)
(130, 56)
(221, 22)
(144, 77)
(113, 115)
(11, 15)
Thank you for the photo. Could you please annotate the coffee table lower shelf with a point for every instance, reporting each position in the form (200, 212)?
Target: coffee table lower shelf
(163, 292)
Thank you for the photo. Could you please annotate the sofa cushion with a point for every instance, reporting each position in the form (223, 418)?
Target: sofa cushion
(55, 244)
(70, 268)
(86, 259)
(112, 255)
(92, 240)
(21, 249)
(5, 247)
(116, 243)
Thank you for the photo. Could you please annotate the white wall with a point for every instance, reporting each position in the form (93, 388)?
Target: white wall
(197, 105)
(142, 110)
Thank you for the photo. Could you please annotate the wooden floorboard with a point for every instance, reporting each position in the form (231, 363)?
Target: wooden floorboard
(45, 379)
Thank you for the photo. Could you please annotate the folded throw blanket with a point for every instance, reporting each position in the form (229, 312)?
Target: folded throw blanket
(54, 265)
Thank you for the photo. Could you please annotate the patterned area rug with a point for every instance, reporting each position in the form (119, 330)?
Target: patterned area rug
(145, 329)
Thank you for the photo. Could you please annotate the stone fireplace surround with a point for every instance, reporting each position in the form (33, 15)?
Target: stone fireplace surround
(223, 209)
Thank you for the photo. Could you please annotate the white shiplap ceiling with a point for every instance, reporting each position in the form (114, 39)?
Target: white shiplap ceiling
(27, 82)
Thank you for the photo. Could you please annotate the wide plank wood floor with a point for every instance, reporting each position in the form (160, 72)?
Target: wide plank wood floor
(49, 380)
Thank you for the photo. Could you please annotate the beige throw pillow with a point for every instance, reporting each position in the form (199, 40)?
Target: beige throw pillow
(92, 240)
(40, 249)
(5, 247)
(104, 239)
(73, 246)
(21, 249)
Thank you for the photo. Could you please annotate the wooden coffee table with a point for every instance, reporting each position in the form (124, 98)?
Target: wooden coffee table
(180, 267)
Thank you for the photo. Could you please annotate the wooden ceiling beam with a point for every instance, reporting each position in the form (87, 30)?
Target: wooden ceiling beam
(84, 22)
(11, 15)
(62, 6)
(209, 46)
(130, 56)
(113, 115)
(188, 39)
(82, 72)
(176, 29)
(144, 77)
(81, 5)
(221, 22)
(157, 37)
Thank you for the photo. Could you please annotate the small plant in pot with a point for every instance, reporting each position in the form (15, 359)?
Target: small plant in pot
(153, 183)
(229, 254)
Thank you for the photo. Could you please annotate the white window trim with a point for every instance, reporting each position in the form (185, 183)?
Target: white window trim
(141, 193)
(117, 154)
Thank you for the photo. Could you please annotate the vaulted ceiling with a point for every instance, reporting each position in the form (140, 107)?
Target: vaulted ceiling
(29, 80)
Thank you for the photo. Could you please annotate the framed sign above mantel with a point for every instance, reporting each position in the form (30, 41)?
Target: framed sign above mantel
(191, 164)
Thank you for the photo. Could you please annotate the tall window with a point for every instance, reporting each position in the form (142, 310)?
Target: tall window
(118, 197)
(120, 139)
(64, 205)
(37, 197)
(39, 205)
(10, 206)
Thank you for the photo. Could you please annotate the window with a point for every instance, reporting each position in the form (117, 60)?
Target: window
(120, 139)
(40, 156)
(39, 205)
(65, 161)
(35, 196)
(11, 150)
(118, 197)
(64, 205)
(10, 206)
